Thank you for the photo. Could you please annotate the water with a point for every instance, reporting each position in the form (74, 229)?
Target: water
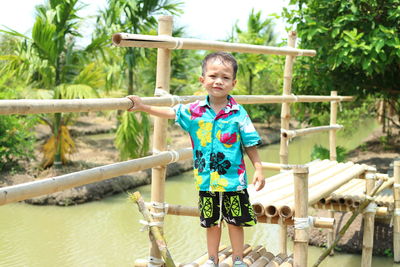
(107, 232)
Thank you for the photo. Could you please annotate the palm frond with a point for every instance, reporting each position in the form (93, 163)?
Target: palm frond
(132, 137)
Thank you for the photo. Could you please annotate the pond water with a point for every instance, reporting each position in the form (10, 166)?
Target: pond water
(107, 232)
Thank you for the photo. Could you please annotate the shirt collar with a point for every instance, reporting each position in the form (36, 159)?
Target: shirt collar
(232, 104)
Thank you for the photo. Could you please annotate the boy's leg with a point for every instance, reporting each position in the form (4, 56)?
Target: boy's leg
(236, 235)
(213, 239)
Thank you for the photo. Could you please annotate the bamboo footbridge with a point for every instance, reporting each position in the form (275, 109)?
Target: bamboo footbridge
(322, 184)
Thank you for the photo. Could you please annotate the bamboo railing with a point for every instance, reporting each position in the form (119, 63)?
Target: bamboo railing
(153, 41)
(35, 106)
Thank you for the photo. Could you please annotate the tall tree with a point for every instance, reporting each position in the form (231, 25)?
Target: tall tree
(358, 48)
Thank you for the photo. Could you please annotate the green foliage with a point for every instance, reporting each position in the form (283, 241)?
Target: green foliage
(320, 152)
(357, 45)
(132, 137)
(258, 74)
(388, 252)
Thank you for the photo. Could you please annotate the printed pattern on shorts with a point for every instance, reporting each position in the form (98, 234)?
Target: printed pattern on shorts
(236, 208)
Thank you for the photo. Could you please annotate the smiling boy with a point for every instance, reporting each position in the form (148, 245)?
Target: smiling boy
(220, 129)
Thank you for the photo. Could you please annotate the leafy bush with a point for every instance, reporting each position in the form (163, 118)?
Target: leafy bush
(320, 152)
(16, 140)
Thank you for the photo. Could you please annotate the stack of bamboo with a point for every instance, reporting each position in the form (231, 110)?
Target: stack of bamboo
(256, 256)
(349, 196)
(276, 199)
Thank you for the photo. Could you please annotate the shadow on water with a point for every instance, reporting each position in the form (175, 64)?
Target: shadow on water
(107, 232)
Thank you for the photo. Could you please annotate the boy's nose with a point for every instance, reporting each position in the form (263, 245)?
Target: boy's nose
(218, 81)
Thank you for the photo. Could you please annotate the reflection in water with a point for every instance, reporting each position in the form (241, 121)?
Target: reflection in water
(107, 233)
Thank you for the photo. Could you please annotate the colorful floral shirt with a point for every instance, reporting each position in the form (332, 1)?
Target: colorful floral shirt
(217, 141)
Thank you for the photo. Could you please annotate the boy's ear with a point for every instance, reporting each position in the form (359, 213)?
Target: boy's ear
(234, 83)
(201, 79)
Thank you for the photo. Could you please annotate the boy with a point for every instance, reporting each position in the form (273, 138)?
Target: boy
(219, 128)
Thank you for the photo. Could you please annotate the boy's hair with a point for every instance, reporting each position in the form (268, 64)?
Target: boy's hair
(225, 58)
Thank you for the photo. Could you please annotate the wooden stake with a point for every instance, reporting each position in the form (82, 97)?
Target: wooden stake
(396, 216)
(287, 90)
(342, 231)
(282, 237)
(300, 174)
(330, 236)
(160, 125)
(155, 231)
(369, 220)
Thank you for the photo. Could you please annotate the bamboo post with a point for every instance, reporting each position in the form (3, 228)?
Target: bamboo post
(342, 231)
(282, 237)
(332, 156)
(369, 219)
(287, 90)
(396, 219)
(330, 233)
(332, 132)
(285, 119)
(155, 231)
(160, 125)
(300, 174)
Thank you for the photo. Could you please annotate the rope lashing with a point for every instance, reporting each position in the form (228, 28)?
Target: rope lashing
(178, 43)
(369, 197)
(396, 185)
(296, 98)
(370, 175)
(371, 208)
(175, 156)
(303, 223)
(155, 262)
(396, 212)
(147, 225)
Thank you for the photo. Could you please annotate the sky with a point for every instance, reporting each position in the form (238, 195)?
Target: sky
(205, 19)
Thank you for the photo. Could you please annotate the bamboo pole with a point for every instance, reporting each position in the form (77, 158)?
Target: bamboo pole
(301, 221)
(330, 237)
(35, 106)
(277, 260)
(180, 210)
(155, 231)
(332, 132)
(287, 90)
(342, 231)
(282, 237)
(203, 258)
(41, 187)
(265, 258)
(369, 220)
(158, 173)
(254, 255)
(153, 41)
(300, 132)
(396, 215)
(228, 262)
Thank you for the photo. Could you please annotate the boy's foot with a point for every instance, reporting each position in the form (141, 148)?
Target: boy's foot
(210, 263)
(239, 263)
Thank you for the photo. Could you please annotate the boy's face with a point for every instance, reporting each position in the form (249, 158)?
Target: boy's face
(218, 79)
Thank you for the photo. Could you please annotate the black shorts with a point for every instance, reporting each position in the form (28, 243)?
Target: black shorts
(236, 208)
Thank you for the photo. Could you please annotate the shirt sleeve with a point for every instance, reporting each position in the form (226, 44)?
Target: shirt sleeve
(182, 116)
(248, 133)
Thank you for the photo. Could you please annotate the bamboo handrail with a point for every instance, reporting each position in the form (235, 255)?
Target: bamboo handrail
(35, 106)
(37, 188)
(380, 211)
(154, 41)
(396, 215)
(300, 132)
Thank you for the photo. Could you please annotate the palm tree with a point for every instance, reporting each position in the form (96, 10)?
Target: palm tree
(134, 17)
(51, 62)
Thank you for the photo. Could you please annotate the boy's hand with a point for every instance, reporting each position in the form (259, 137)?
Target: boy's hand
(258, 180)
(137, 103)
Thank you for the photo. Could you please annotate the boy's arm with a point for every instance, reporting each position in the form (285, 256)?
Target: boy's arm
(258, 178)
(163, 112)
